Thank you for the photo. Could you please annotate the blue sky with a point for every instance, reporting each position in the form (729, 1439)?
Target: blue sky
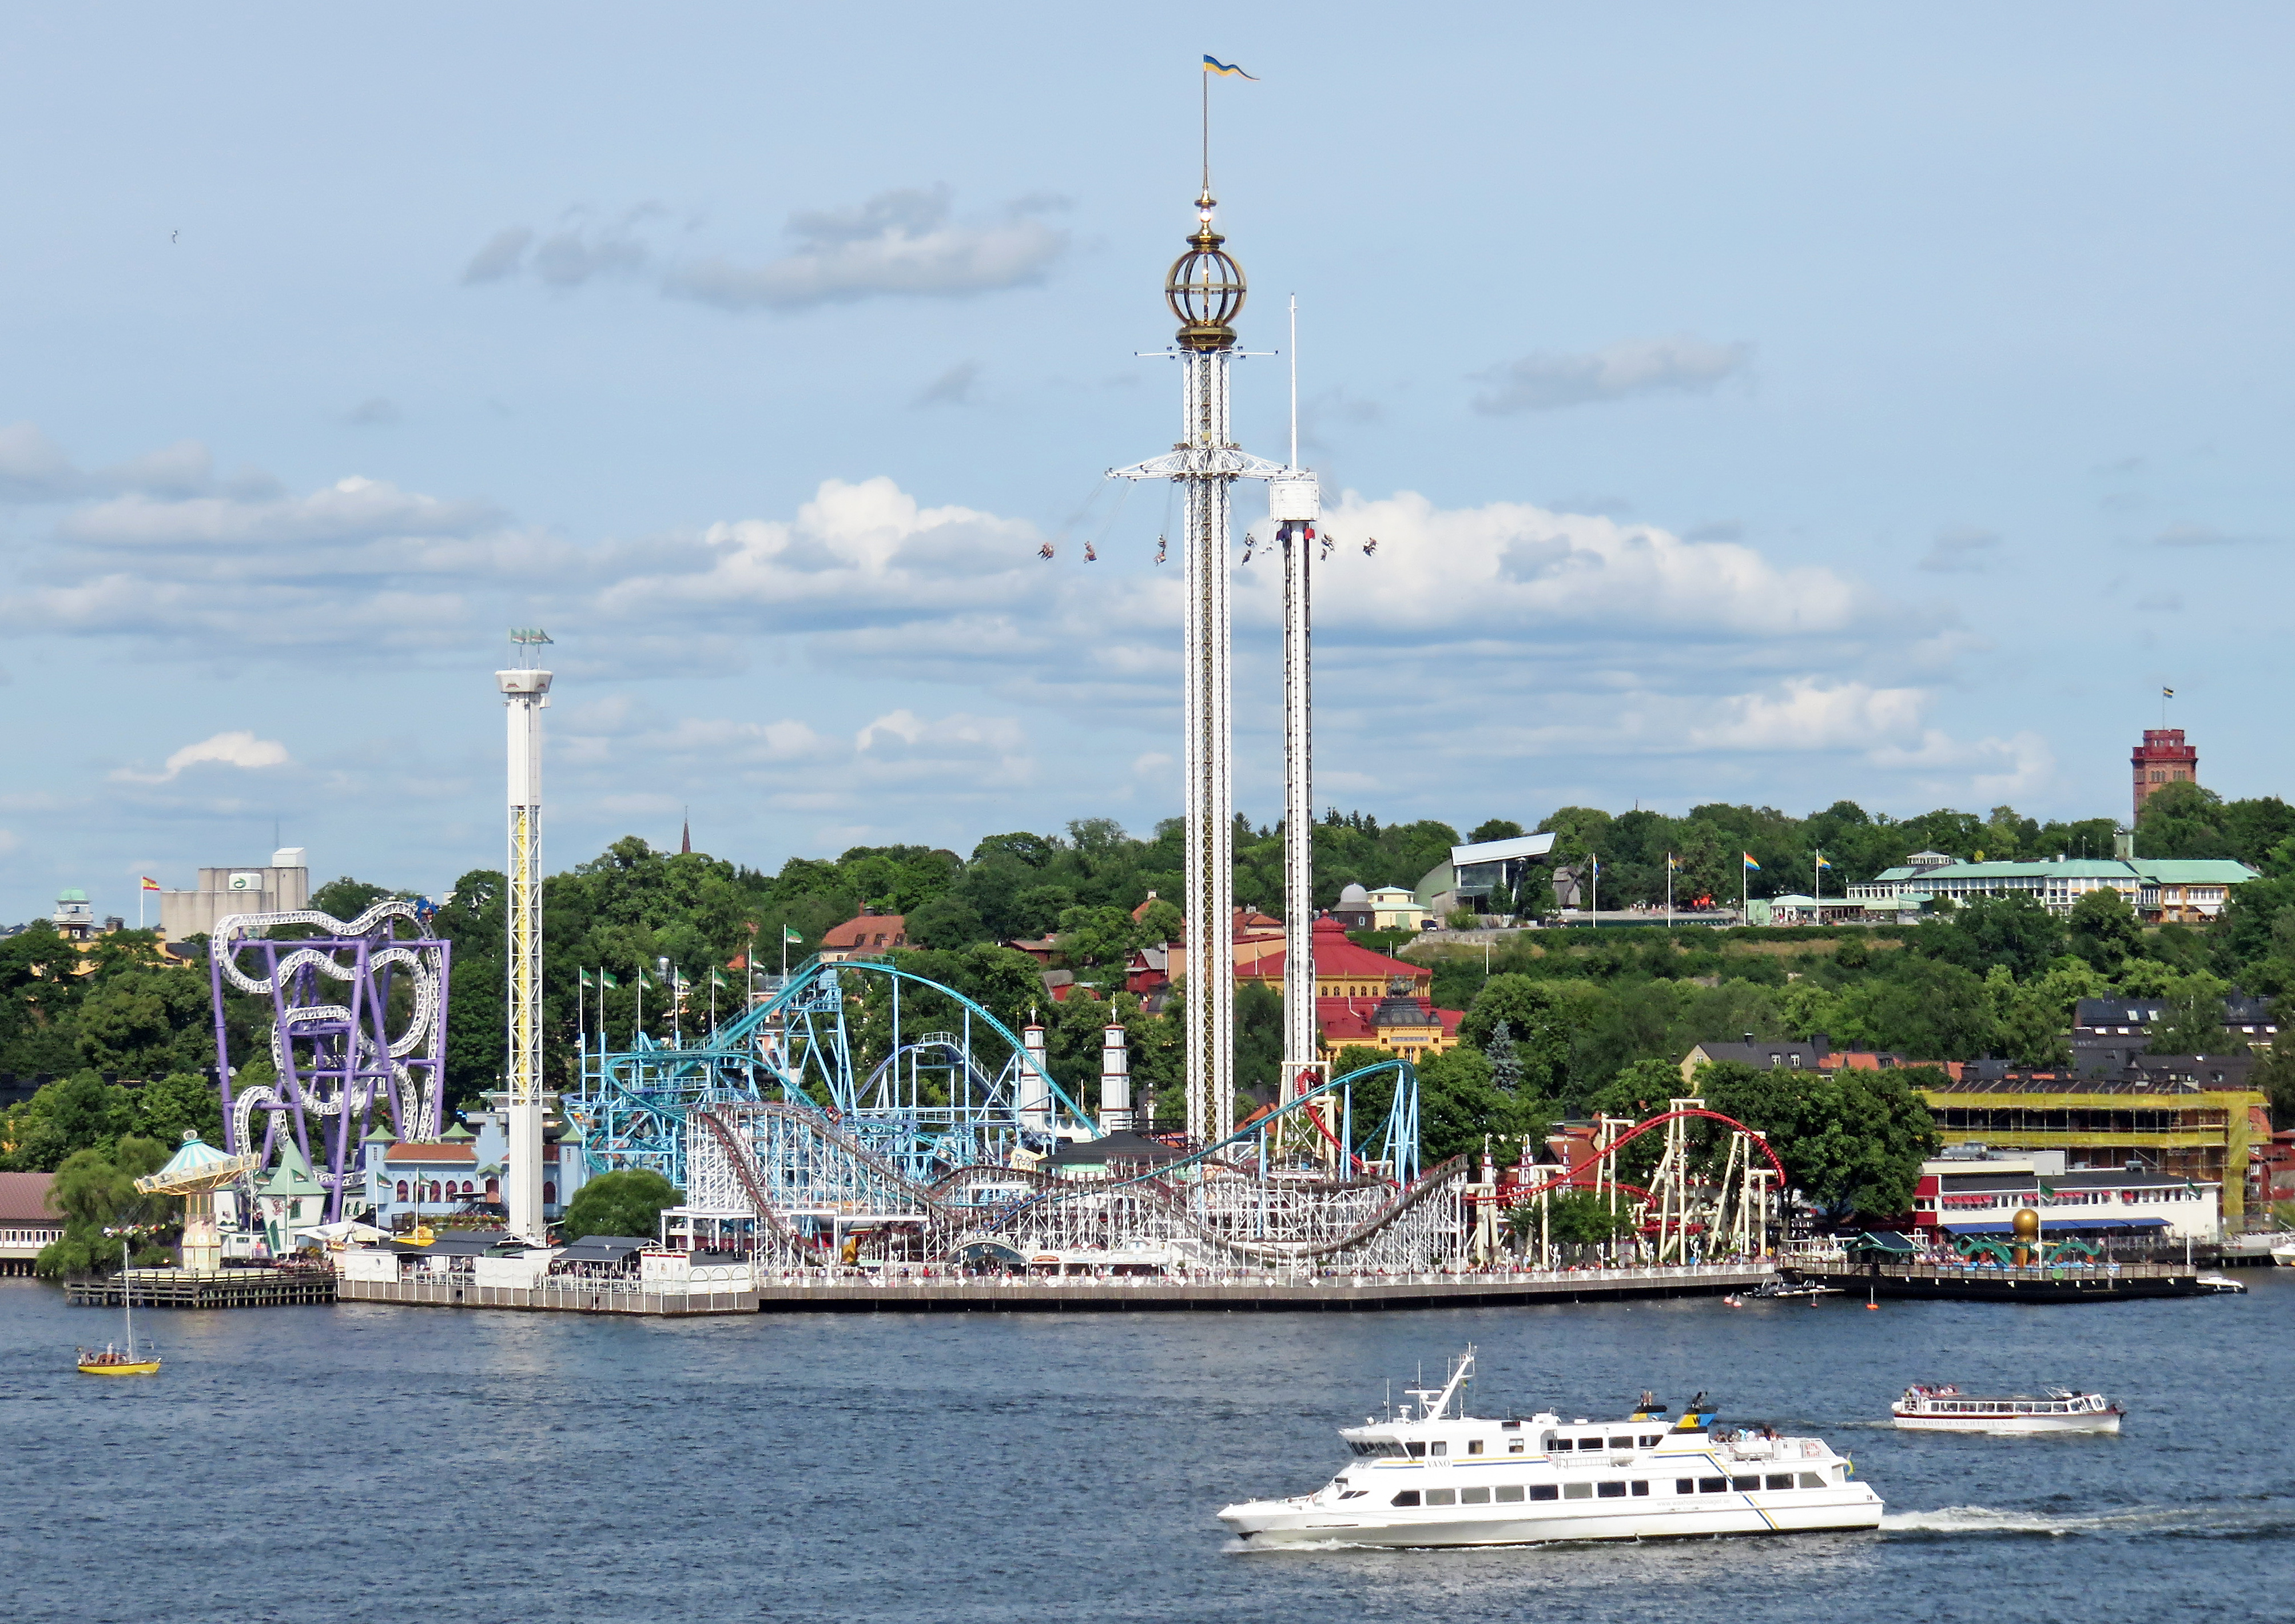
(1769, 403)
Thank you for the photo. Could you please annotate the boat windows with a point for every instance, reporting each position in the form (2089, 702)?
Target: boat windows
(1621, 1443)
(1474, 1496)
(1442, 1496)
(1560, 1443)
(1509, 1493)
(1441, 1448)
(1780, 1480)
(1641, 1485)
(1810, 1480)
(1513, 1446)
(1712, 1485)
(1589, 1443)
(1684, 1485)
(1577, 1492)
(1648, 1440)
(1543, 1491)
(1613, 1491)
(1750, 1480)
(1417, 1448)
(1473, 1445)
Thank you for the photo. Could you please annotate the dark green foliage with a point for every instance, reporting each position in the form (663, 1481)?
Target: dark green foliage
(628, 1202)
(1580, 1218)
(2104, 930)
(1849, 1140)
(95, 1190)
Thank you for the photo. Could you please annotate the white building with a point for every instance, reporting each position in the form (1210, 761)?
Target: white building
(1959, 1195)
(2183, 890)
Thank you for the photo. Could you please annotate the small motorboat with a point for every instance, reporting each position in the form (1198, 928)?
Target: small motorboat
(1933, 1408)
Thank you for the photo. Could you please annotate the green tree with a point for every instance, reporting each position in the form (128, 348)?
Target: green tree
(2104, 930)
(94, 1191)
(1580, 1218)
(180, 1103)
(1848, 1140)
(1459, 1108)
(79, 1112)
(2192, 1023)
(627, 1203)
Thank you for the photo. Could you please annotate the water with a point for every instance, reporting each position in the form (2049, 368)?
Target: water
(374, 1465)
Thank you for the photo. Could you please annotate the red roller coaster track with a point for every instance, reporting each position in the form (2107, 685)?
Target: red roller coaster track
(1570, 1176)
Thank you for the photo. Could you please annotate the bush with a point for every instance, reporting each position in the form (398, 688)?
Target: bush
(626, 1203)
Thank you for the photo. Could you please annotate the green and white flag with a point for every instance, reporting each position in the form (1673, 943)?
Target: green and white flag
(791, 937)
(584, 976)
(717, 979)
(606, 978)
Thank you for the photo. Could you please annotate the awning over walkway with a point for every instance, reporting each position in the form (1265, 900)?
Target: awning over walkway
(2115, 1226)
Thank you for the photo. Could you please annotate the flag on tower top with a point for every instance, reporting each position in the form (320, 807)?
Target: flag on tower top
(1211, 64)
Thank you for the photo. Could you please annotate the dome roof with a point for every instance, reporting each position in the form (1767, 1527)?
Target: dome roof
(1354, 893)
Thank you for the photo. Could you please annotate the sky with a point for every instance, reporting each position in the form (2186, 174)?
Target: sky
(1768, 404)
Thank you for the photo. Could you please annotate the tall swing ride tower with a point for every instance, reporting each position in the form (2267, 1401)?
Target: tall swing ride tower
(525, 691)
(1205, 290)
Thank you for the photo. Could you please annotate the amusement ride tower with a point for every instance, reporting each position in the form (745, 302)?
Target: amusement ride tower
(526, 690)
(1205, 290)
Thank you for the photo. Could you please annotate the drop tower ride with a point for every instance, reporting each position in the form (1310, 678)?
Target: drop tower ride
(1205, 289)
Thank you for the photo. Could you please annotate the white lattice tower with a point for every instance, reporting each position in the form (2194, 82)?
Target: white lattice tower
(1205, 289)
(525, 691)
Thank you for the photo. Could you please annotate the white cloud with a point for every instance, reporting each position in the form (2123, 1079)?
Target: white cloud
(33, 469)
(353, 509)
(1635, 366)
(238, 748)
(1806, 713)
(1511, 570)
(905, 242)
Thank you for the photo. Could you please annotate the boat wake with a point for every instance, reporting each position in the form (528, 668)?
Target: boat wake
(2187, 1521)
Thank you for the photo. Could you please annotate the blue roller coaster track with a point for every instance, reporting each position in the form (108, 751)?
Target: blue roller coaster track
(965, 1093)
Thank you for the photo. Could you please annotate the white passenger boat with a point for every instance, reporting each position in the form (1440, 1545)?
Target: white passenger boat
(1948, 1409)
(1428, 1475)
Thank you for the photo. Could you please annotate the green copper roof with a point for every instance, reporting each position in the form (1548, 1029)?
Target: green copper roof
(292, 1177)
(380, 1134)
(2193, 870)
(456, 1135)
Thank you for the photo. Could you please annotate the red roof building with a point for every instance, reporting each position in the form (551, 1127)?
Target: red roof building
(1365, 997)
(871, 933)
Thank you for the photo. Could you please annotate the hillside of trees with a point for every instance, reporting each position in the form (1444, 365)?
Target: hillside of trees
(1582, 1012)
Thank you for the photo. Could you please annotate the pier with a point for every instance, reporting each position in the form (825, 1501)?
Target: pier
(1951, 1283)
(187, 1288)
(798, 1292)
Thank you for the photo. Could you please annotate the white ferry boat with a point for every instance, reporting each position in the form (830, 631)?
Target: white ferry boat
(1430, 1476)
(1948, 1409)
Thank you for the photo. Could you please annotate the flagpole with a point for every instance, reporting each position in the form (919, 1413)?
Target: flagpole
(1744, 889)
(1669, 890)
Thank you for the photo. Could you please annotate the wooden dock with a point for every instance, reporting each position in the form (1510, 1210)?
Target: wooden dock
(853, 1292)
(1950, 1283)
(227, 1288)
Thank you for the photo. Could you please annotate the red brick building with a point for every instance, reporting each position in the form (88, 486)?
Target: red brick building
(2162, 758)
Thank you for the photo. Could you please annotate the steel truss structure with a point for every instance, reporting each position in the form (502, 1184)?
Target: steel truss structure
(1691, 1211)
(333, 1048)
(935, 1101)
(798, 1183)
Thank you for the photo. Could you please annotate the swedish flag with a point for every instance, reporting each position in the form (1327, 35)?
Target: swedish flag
(1211, 64)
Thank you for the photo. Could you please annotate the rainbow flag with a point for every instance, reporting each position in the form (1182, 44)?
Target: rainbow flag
(1750, 862)
(1211, 64)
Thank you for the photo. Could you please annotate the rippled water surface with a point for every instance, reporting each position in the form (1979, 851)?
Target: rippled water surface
(373, 1464)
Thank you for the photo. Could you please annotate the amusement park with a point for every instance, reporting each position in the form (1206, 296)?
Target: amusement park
(853, 1112)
